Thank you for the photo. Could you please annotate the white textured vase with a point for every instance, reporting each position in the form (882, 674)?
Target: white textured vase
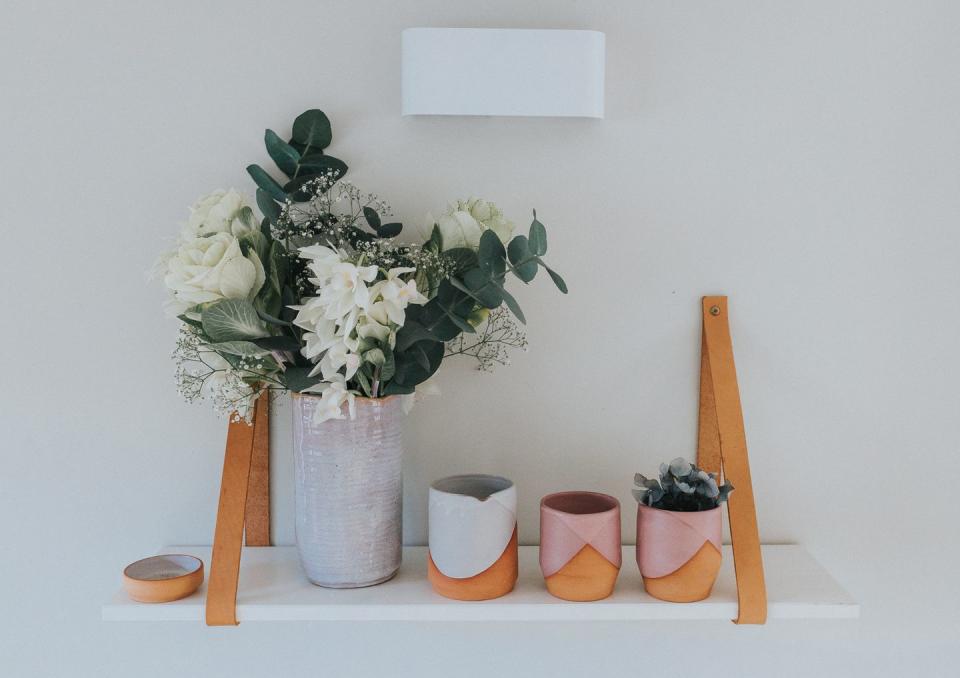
(349, 492)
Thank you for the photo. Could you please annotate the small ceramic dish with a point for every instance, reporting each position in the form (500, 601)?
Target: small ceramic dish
(160, 579)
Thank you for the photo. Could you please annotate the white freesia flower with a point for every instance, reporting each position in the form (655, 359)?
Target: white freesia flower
(219, 212)
(211, 268)
(346, 317)
(333, 396)
(336, 357)
(321, 336)
(392, 296)
(369, 328)
(322, 260)
(346, 290)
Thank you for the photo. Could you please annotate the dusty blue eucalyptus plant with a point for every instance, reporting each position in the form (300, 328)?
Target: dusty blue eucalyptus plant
(681, 487)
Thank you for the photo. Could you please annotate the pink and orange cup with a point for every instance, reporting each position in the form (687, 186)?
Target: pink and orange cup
(678, 552)
(580, 553)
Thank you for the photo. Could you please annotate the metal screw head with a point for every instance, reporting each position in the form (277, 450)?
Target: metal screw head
(714, 310)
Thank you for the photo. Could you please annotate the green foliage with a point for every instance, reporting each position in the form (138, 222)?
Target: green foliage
(463, 285)
(267, 183)
(312, 129)
(681, 487)
(285, 155)
(232, 320)
(297, 379)
(239, 348)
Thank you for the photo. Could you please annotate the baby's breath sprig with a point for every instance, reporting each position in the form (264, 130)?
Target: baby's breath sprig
(491, 346)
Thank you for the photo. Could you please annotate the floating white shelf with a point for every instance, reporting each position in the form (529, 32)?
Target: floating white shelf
(274, 588)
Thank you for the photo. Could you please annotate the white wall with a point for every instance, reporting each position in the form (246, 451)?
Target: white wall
(801, 157)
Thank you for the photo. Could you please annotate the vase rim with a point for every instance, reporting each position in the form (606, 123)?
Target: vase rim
(480, 486)
(298, 394)
(602, 504)
(641, 505)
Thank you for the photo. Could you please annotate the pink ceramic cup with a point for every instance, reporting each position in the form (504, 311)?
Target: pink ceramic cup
(678, 552)
(580, 553)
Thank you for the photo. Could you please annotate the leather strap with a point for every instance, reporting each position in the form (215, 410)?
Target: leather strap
(257, 527)
(722, 447)
(244, 443)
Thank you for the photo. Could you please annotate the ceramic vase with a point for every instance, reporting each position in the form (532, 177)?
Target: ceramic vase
(349, 492)
(580, 552)
(678, 552)
(472, 537)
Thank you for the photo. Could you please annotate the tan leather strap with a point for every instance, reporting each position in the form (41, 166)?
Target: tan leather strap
(244, 442)
(257, 522)
(722, 447)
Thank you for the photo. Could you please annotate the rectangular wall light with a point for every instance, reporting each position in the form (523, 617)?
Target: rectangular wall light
(497, 71)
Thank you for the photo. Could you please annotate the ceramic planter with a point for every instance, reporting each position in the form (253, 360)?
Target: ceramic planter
(580, 553)
(473, 537)
(349, 492)
(678, 552)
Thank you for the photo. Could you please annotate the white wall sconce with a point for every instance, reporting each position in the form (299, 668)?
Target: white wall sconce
(496, 71)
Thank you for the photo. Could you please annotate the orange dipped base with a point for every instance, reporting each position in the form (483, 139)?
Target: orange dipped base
(497, 580)
(691, 582)
(586, 576)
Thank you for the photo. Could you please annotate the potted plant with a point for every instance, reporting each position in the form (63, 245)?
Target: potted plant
(679, 531)
(321, 297)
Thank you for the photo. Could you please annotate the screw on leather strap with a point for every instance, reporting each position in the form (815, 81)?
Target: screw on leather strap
(722, 447)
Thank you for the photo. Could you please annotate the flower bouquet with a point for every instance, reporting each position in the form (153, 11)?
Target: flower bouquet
(324, 296)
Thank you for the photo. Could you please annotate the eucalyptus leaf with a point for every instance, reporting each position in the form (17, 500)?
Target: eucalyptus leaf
(538, 237)
(266, 182)
(270, 209)
(461, 323)
(282, 153)
(396, 388)
(391, 230)
(321, 164)
(462, 258)
(410, 370)
(491, 255)
(511, 303)
(524, 263)
(297, 379)
(312, 128)
(482, 288)
(372, 218)
(557, 280)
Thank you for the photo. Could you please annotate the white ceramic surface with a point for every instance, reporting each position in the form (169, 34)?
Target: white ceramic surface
(471, 521)
(502, 71)
(349, 492)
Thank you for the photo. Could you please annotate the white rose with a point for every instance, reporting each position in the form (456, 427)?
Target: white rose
(219, 212)
(464, 223)
(212, 268)
(459, 229)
